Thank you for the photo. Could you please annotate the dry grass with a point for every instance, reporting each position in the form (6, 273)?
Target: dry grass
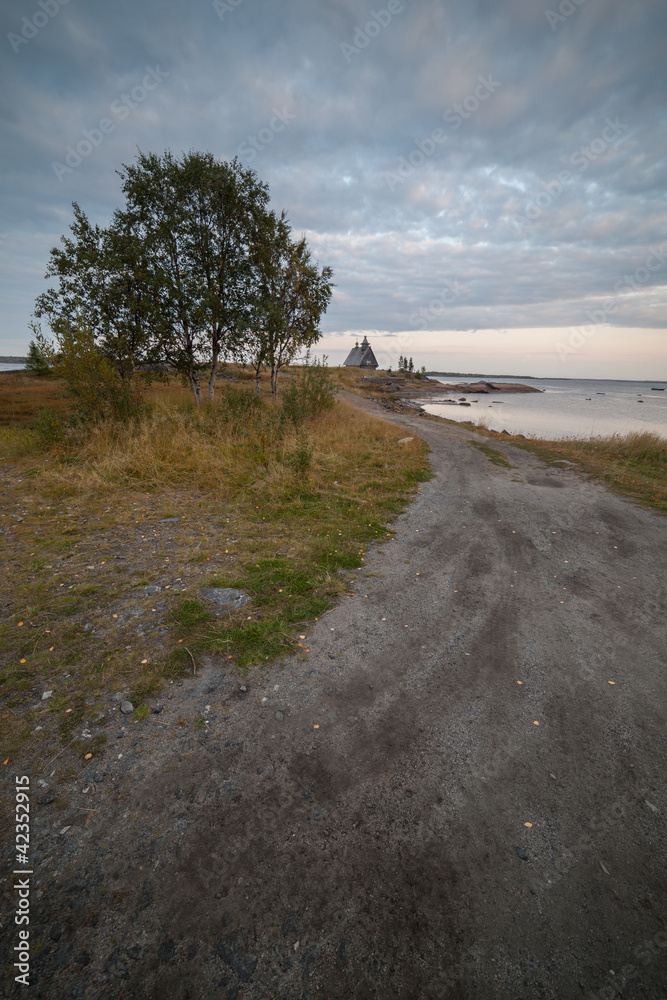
(88, 527)
(633, 464)
(22, 396)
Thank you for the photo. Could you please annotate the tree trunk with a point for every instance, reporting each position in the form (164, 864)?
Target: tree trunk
(214, 373)
(274, 381)
(195, 386)
(258, 372)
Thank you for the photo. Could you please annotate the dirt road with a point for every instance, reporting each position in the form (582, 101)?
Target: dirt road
(458, 793)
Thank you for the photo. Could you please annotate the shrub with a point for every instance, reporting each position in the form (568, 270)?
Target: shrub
(48, 428)
(312, 391)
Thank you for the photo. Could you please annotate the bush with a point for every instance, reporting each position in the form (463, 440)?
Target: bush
(312, 391)
(94, 384)
(48, 428)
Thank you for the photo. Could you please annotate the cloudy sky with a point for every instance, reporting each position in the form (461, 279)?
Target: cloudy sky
(486, 177)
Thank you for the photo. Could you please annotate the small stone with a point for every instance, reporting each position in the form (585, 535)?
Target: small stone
(158, 709)
(279, 716)
(47, 800)
(134, 952)
(243, 688)
(522, 854)
(56, 932)
(46, 695)
(405, 440)
(118, 696)
(332, 656)
(98, 777)
(218, 895)
(127, 707)
(225, 597)
(169, 520)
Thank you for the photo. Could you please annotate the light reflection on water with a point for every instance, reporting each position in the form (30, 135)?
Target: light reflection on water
(566, 407)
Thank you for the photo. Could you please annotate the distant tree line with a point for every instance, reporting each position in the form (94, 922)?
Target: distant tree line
(193, 271)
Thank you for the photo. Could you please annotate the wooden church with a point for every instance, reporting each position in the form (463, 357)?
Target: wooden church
(361, 356)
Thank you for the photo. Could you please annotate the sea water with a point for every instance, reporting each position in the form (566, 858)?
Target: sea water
(564, 408)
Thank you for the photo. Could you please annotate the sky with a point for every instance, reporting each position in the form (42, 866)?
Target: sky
(487, 178)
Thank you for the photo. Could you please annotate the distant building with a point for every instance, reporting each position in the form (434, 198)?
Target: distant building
(361, 357)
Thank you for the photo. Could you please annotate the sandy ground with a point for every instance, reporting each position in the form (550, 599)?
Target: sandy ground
(356, 823)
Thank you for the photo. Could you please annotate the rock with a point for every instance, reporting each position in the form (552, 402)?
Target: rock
(158, 709)
(279, 716)
(332, 656)
(169, 520)
(152, 590)
(564, 462)
(225, 597)
(522, 854)
(127, 707)
(46, 800)
(118, 696)
(56, 932)
(405, 440)
(47, 694)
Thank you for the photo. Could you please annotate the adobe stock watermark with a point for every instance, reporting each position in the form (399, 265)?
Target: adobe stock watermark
(254, 144)
(448, 294)
(378, 21)
(30, 27)
(454, 118)
(120, 109)
(655, 259)
(222, 7)
(613, 134)
(565, 10)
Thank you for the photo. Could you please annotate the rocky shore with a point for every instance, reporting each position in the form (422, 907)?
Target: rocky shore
(402, 393)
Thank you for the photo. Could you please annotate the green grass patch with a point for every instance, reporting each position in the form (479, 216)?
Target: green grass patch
(492, 454)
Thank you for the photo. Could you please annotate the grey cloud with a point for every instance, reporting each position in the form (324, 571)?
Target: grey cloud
(462, 215)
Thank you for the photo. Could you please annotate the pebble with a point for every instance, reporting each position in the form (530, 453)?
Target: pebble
(47, 694)
(522, 854)
(157, 709)
(127, 707)
(279, 716)
(243, 688)
(118, 696)
(47, 799)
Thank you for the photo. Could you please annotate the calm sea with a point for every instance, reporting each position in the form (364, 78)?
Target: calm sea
(10, 368)
(565, 407)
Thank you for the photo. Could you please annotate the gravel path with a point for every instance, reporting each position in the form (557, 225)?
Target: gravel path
(459, 792)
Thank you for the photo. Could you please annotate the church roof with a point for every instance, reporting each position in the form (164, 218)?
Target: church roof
(361, 356)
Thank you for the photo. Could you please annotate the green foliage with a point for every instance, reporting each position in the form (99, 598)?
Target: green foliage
(37, 360)
(195, 268)
(48, 428)
(96, 385)
(302, 455)
(310, 392)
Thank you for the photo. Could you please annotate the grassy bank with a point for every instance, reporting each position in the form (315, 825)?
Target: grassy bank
(110, 533)
(633, 464)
